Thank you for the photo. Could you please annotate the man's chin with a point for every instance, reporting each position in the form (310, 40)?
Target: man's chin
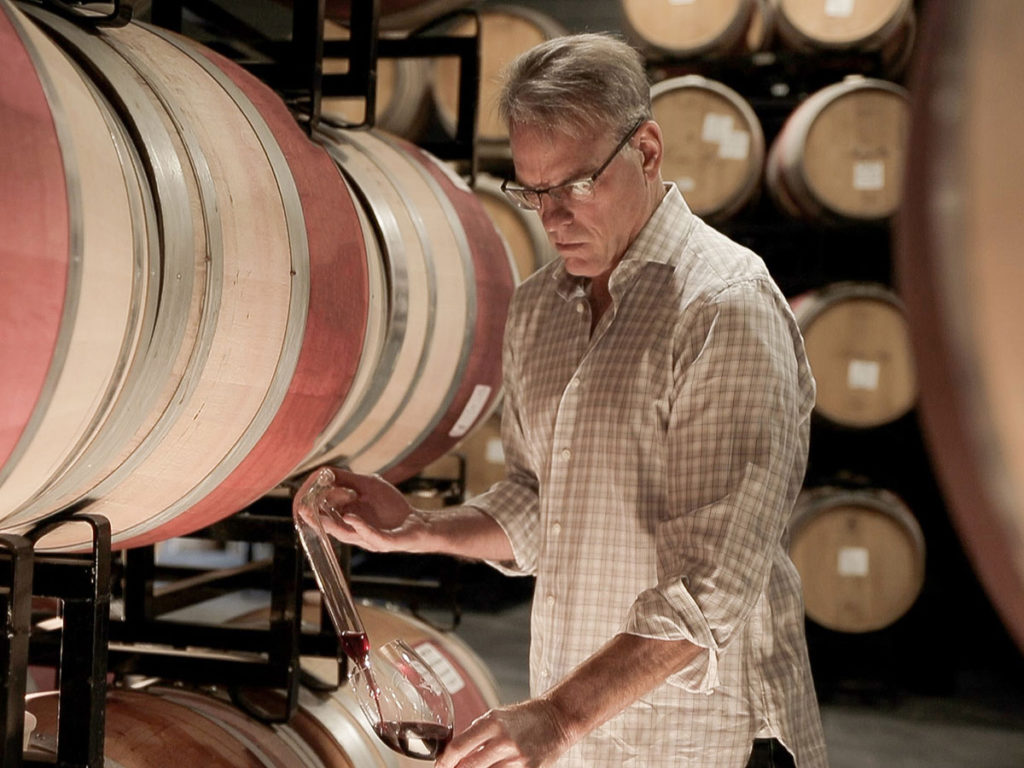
(576, 266)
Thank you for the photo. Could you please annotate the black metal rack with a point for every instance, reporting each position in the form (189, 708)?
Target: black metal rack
(82, 583)
(287, 53)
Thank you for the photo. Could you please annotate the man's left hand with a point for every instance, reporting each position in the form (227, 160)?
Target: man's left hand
(526, 735)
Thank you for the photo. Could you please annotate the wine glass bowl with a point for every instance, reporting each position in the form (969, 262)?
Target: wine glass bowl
(405, 702)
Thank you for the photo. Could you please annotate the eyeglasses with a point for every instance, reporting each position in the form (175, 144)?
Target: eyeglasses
(577, 190)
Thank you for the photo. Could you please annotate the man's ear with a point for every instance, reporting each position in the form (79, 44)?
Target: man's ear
(651, 145)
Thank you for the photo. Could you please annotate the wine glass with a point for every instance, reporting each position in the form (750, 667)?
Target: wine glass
(405, 702)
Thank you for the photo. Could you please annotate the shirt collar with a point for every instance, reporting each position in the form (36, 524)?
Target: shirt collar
(659, 242)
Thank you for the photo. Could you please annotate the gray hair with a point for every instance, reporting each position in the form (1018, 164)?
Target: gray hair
(576, 84)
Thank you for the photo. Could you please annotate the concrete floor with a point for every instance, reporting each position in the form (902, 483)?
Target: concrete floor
(981, 728)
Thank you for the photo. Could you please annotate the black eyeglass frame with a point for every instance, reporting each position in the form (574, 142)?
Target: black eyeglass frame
(514, 193)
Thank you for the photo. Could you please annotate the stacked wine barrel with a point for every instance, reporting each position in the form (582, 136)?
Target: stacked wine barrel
(200, 301)
(328, 730)
(958, 258)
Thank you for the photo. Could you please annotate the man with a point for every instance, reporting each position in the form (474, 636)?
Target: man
(655, 426)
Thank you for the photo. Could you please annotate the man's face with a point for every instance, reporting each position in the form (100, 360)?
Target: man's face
(592, 235)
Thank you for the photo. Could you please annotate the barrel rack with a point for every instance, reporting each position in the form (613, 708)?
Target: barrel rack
(290, 58)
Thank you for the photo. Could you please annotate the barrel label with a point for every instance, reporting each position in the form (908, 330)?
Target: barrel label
(494, 452)
(853, 561)
(869, 176)
(474, 406)
(863, 374)
(839, 9)
(719, 129)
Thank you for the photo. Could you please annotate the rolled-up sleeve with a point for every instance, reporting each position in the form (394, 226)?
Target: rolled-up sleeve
(736, 436)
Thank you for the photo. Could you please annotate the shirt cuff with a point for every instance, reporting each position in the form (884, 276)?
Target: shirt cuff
(514, 508)
(669, 612)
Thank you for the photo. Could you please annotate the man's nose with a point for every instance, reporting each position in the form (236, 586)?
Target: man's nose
(554, 213)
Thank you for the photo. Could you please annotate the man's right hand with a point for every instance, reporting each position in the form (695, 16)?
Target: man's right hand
(368, 512)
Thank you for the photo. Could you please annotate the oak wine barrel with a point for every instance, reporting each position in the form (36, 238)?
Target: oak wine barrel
(857, 339)
(450, 278)
(959, 268)
(206, 291)
(714, 145)
(213, 400)
(840, 154)
(694, 28)
(861, 557)
(154, 729)
(331, 722)
(866, 25)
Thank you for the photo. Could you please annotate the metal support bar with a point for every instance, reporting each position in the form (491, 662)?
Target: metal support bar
(240, 658)
(16, 603)
(83, 585)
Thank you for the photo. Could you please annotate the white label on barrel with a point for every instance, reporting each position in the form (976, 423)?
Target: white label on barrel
(445, 671)
(494, 452)
(852, 561)
(862, 374)
(716, 127)
(471, 412)
(869, 176)
(841, 9)
(735, 146)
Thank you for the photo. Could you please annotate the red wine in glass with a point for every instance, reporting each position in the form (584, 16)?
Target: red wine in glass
(423, 741)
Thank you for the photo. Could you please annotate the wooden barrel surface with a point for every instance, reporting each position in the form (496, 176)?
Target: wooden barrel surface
(858, 344)
(332, 724)
(505, 32)
(213, 312)
(685, 29)
(959, 269)
(861, 557)
(35, 233)
(838, 24)
(204, 394)
(451, 277)
(714, 145)
(165, 727)
(331, 329)
(840, 154)
(106, 284)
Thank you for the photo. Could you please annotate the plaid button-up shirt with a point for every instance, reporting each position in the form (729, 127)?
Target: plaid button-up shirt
(652, 468)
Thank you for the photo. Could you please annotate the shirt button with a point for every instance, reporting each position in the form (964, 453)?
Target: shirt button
(551, 600)
(556, 528)
(566, 454)
(579, 307)
(574, 383)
